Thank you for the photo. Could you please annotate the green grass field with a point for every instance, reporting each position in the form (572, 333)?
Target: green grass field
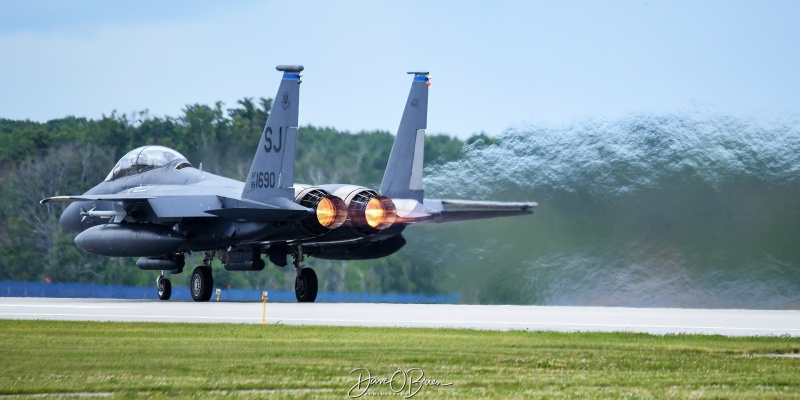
(168, 360)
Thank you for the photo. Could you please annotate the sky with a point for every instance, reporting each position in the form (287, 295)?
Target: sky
(494, 65)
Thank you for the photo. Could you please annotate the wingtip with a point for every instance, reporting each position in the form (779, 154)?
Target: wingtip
(55, 199)
(530, 206)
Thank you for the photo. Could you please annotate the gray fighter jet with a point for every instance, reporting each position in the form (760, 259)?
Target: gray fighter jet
(156, 206)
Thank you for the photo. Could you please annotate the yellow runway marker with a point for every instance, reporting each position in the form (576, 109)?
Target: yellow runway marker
(264, 312)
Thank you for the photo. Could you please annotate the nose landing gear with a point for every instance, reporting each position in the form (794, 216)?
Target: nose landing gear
(164, 287)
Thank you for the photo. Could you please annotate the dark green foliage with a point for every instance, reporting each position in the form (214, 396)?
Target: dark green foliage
(71, 154)
(483, 138)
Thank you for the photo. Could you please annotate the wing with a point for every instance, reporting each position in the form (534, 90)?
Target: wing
(98, 197)
(199, 206)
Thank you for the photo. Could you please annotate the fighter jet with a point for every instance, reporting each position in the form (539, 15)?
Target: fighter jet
(156, 206)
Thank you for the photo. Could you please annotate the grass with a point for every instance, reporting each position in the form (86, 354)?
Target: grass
(168, 360)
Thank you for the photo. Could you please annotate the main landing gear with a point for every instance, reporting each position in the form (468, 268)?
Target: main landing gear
(305, 284)
(201, 284)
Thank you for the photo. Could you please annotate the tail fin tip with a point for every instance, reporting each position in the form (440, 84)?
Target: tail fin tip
(290, 68)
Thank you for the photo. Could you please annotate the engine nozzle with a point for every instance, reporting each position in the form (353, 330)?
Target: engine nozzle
(380, 212)
(370, 212)
(330, 212)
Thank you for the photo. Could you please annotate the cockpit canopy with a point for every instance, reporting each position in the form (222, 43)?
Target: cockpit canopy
(144, 159)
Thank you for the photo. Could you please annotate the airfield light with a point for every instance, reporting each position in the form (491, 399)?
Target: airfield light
(326, 212)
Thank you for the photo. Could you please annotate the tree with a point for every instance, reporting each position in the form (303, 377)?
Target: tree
(71, 154)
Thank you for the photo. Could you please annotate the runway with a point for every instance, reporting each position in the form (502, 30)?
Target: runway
(492, 317)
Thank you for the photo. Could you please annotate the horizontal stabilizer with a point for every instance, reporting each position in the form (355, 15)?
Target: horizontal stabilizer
(465, 210)
(455, 216)
(410, 211)
(471, 205)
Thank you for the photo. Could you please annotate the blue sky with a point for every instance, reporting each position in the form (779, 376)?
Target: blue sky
(494, 65)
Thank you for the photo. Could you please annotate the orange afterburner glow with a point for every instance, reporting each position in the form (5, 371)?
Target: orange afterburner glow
(378, 214)
(331, 212)
(326, 212)
(375, 213)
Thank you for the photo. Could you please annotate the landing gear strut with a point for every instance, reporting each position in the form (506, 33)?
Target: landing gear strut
(164, 287)
(171, 262)
(305, 284)
(202, 281)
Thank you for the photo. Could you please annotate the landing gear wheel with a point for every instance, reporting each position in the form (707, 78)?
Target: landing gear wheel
(164, 288)
(305, 285)
(201, 284)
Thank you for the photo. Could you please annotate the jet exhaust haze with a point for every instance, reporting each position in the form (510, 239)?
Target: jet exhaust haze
(692, 209)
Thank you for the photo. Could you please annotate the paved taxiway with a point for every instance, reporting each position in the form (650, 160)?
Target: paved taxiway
(567, 319)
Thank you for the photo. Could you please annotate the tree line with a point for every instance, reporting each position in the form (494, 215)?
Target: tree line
(72, 154)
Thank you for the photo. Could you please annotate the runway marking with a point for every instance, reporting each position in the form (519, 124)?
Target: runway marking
(399, 323)
(67, 306)
(122, 318)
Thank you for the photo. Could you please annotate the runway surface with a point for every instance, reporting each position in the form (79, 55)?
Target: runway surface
(565, 319)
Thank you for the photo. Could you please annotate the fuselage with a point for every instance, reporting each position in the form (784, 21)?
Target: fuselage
(168, 194)
(168, 185)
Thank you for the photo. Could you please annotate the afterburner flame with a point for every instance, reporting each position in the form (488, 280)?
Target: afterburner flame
(377, 214)
(326, 212)
(374, 212)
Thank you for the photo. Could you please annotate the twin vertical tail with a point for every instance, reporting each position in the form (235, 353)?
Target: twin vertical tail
(271, 176)
(403, 176)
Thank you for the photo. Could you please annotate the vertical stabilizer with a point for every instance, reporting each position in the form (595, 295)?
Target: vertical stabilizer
(403, 176)
(272, 173)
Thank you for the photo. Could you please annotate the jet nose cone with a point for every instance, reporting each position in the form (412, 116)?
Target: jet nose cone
(71, 218)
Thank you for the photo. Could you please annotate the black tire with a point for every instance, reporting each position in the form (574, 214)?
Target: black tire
(201, 284)
(305, 286)
(164, 288)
